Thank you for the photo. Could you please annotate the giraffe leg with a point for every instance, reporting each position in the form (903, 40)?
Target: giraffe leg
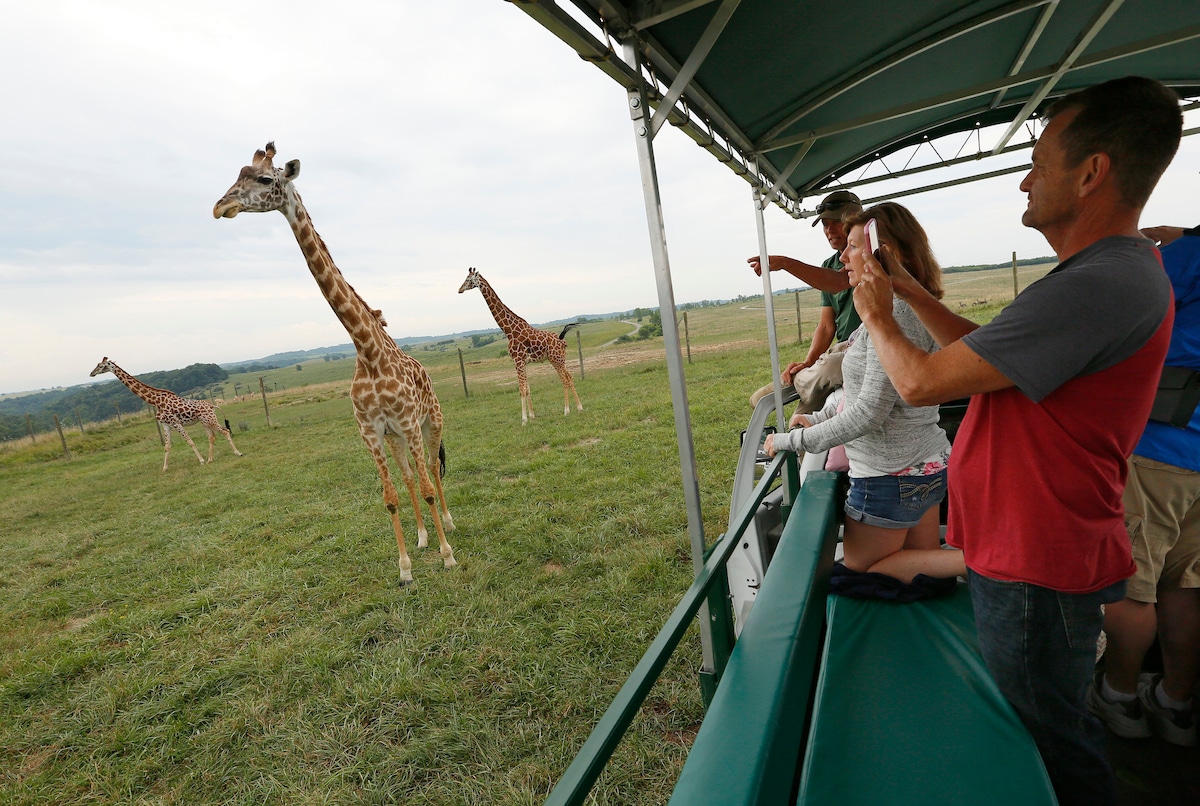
(212, 440)
(400, 451)
(213, 425)
(188, 438)
(419, 459)
(167, 444)
(390, 499)
(432, 433)
(416, 448)
(564, 374)
(229, 437)
(526, 400)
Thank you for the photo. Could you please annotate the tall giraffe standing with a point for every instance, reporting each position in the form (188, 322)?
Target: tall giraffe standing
(172, 411)
(392, 395)
(527, 344)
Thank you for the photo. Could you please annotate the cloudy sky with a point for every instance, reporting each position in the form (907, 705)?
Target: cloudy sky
(432, 137)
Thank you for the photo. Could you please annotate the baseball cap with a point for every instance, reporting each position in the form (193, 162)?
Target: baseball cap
(835, 204)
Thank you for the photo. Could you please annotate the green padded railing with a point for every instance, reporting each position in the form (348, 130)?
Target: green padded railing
(752, 737)
(577, 781)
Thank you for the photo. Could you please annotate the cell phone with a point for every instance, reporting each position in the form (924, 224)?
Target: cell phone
(871, 234)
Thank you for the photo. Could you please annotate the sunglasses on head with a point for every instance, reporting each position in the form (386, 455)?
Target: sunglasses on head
(833, 205)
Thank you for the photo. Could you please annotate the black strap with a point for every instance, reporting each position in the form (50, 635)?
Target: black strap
(1177, 397)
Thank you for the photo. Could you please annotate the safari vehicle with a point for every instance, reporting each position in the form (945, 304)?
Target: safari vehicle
(801, 99)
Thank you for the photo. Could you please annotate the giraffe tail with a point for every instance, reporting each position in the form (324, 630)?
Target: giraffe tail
(442, 460)
(565, 329)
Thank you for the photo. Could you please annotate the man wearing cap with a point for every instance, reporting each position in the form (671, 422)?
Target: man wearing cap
(821, 370)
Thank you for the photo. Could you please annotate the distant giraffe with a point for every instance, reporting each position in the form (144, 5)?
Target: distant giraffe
(527, 344)
(392, 395)
(172, 411)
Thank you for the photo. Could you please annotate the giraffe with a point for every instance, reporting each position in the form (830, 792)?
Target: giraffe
(392, 395)
(172, 411)
(527, 344)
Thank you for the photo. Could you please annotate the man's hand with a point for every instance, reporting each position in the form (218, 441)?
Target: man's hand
(789, 372)
(769, 446)
(903, 284)
(1162, 235)
(873, 294)
(799, 421)
(756, 264)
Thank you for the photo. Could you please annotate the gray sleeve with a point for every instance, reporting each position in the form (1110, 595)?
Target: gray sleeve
(872, 402)
(1097, 309)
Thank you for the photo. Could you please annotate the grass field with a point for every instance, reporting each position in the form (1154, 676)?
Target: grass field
(234, 633)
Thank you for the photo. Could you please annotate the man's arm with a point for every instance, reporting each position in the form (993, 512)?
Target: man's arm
(921, 378)
(822, 337)
(818, 277)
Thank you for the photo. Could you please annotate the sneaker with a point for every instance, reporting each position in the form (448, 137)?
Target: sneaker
(1172, 724)
(1126, 719)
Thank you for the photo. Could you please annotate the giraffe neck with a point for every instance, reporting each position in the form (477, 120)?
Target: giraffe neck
(147, 393)
(364, 327)
(505, 318)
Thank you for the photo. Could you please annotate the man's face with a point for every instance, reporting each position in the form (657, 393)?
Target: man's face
(835, 233)
(1050, 185)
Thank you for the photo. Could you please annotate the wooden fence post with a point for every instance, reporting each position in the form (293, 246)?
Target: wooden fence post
(462, 369)
(63, 437)
(579, 345)
(79, 420)
(117, 406)
(799, 327)
(263, 387)
(157, 425)
(687, 338)
(1014, 275)
(29, 425)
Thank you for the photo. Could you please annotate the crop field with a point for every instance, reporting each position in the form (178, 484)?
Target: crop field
(235, 633)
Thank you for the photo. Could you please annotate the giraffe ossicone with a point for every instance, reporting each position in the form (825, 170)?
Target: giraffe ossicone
(527, 344)
(172, 411)
(393, 397)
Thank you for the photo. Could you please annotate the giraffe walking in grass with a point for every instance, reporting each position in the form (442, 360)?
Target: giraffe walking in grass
(527, 344)
(392, 395)
(172, 411)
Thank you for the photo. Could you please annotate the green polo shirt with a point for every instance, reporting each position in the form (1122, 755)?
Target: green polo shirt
(845, 318)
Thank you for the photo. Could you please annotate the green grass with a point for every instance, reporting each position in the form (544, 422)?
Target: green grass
(234, 633)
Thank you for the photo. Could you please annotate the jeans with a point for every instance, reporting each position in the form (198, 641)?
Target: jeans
(1040, 646)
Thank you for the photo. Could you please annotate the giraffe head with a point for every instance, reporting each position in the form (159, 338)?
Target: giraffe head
(474, 279)
(104, 366)
(260, 187)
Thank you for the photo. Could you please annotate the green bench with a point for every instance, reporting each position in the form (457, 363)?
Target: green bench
(831, 700)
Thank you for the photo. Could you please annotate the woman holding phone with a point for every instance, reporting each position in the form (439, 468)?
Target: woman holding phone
(897, 452)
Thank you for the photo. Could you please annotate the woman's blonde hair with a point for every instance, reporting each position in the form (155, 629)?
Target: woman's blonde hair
(899, 228)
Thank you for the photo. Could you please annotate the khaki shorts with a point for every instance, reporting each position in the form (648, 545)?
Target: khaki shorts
(1162, 514)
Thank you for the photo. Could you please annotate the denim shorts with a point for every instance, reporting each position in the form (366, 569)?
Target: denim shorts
(894, 502)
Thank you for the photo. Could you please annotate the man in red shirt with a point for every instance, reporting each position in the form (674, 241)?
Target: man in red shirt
(1061, 383)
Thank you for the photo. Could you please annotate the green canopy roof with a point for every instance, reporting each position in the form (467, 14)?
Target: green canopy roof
(795, 95)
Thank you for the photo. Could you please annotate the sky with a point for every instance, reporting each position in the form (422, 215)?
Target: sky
(432, 137)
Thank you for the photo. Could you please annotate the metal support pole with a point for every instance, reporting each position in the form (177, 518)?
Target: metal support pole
(712, 625)
(790, 477)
